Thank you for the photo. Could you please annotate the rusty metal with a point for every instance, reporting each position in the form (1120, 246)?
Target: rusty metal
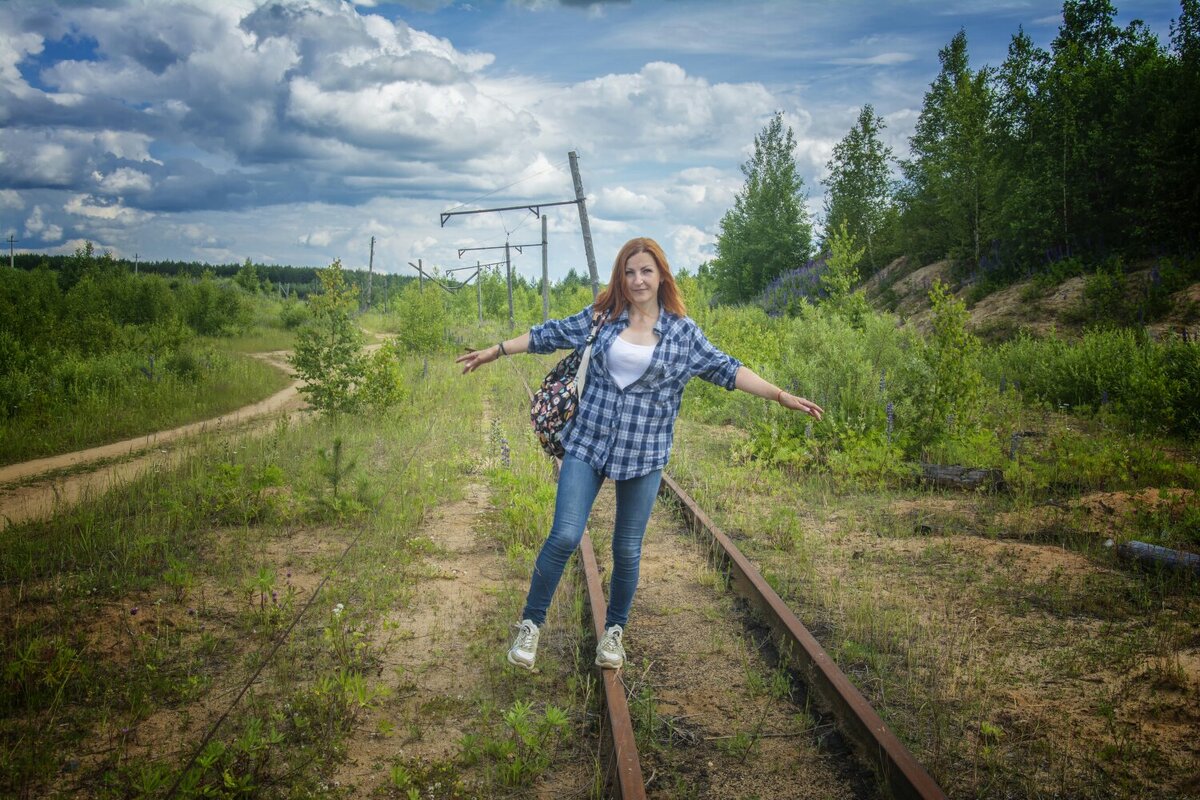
(627, 763)
(893, 762)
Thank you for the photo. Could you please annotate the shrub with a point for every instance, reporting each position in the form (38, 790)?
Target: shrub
(328, 356)
(421, 320)
(293, 314)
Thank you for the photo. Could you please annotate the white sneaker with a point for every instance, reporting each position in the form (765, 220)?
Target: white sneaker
(524, 649)
(609, 653)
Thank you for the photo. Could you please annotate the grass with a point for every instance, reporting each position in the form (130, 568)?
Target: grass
(216, 384)
(262, 339)
(145, 607)
(137, 617)
(957, 636)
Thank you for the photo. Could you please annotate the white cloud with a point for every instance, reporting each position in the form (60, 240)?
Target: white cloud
(690, 247)
(879, 59)
(316, 239)
(91, 207)
(52, 163)
(9, 198)
(658, 113)
(122, 180)
(620, 203)
(37, 227)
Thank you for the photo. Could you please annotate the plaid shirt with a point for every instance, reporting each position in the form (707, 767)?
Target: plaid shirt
(627, 433)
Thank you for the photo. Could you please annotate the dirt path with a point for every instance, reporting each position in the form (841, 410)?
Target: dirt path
(23, 496)
(426, 659)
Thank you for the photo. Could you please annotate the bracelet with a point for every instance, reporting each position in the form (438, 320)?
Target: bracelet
(779, 397)
(503, 352)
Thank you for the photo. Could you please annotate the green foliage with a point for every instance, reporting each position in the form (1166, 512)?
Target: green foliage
(384, 383)
(247, 278)
(421, 320)
(213, 308)
(841, 276)
(867, 460)
(1078, 151)
(1151, 386)
(948, 387)
(293, 314)
(860, 197)
(329, 354)
(767, 232)
(525, 748)
(949, 174)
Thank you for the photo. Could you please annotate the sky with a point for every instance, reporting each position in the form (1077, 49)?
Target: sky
(293, 131)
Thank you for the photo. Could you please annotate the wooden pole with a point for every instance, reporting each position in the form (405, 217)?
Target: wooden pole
(508, 266)
(420, 276)
(371, 272)
(581, 200)
(479, 290)
(545, 275)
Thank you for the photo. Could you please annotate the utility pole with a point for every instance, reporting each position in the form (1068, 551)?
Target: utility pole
(545, 275)
(581, 199)
(420, 270)
(370, 272)
(135, 263)
(12, 261)
(508, 267)
(479, 289)
(580, 202)
(420, 276)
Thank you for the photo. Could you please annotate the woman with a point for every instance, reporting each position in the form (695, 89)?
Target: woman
(644, 354)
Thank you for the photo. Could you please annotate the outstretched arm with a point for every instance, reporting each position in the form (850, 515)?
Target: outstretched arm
(477, 358)
(748, 381)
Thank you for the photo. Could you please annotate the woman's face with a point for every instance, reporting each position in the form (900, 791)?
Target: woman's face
(641, 278)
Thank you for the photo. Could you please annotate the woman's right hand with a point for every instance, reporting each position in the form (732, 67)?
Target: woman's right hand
(477, 358)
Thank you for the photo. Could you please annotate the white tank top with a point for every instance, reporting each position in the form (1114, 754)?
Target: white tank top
(627, 361)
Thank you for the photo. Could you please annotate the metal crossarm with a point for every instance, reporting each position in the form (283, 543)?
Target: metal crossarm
(532, 208)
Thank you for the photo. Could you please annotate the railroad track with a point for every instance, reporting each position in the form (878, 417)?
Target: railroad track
(823, 683)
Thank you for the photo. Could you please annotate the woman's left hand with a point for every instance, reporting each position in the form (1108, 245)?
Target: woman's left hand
(801, 404)
(477, 358)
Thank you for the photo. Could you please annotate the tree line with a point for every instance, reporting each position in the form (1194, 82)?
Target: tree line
(1087, 151)
(287, 280)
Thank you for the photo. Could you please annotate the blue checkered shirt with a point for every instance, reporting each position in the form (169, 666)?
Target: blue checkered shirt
(627, 433)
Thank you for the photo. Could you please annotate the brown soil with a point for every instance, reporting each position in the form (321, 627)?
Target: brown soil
(692, 659)
(1020, 306)
(426, 661)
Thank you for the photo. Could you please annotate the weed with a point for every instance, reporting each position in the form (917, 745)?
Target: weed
(524, 750)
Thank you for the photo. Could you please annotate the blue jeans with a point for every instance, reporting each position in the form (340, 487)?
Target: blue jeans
(578, 485)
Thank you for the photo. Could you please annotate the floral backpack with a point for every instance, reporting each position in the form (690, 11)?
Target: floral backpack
(555, 403)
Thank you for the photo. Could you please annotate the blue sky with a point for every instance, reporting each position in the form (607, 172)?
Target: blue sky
(292, 132)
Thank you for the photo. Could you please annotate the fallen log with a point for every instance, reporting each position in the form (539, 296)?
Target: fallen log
(956, 477)
(1154, 555)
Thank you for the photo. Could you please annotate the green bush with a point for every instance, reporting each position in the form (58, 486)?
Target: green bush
(1151, 386)
(328, 356)
(293, 314)
(420, 320)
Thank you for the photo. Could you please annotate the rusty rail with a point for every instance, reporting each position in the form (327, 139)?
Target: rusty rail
(896, 766)
(627, 764)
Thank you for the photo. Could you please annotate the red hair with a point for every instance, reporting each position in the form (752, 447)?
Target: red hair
(614, 300)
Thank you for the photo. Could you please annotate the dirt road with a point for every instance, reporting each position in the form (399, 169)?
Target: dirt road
(67, 477)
